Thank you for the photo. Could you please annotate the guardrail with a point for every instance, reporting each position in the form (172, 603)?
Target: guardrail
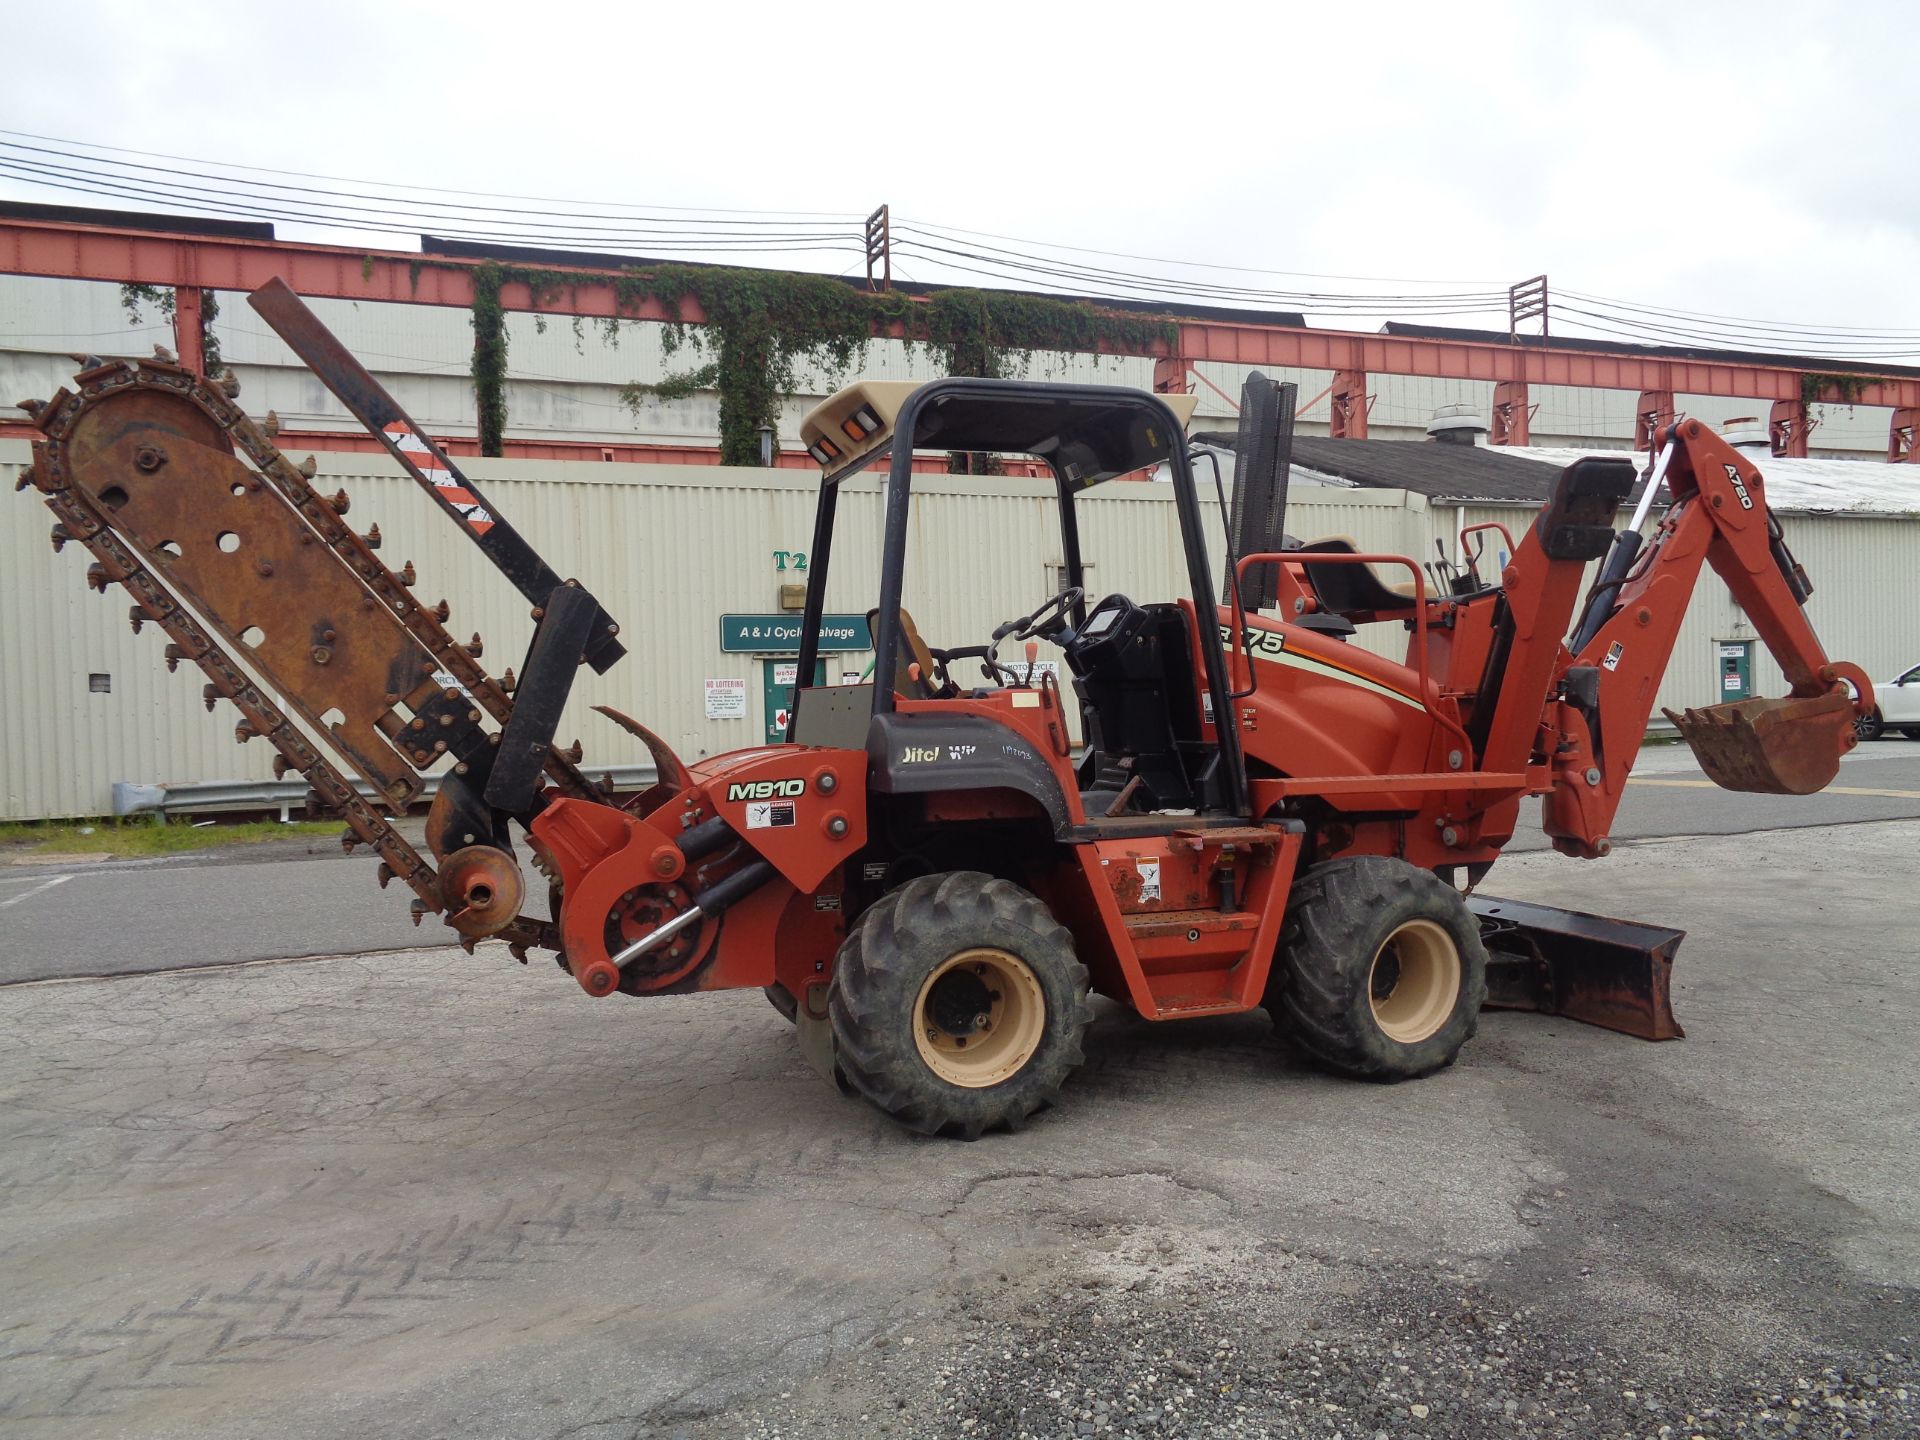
(208, 797)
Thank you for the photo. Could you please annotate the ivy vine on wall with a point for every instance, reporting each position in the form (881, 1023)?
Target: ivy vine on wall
(1849, 388)
(759, 328)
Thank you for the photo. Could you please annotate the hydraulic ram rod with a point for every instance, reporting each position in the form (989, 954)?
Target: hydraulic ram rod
(1626, 549)
(348, 379)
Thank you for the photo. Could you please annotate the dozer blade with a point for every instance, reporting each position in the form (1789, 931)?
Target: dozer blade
(1615, 974)
(1770, 747)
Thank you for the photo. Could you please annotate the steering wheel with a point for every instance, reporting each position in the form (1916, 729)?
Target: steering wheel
(1047, 621)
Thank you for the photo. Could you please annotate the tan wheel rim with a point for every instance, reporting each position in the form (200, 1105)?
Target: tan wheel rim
(1414, 982)
(979, 1017)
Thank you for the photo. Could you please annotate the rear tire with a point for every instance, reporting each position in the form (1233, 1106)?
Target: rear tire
(1381, 973)
(958, 1005)
(1869, 726)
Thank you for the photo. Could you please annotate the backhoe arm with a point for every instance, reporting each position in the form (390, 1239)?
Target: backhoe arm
(1719, 517)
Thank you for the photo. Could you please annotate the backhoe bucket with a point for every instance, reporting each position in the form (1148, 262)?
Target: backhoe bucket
(1770, 747)
(1616, 974)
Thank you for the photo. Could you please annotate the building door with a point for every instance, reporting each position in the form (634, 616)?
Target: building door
(1736, 669)
(776, 693)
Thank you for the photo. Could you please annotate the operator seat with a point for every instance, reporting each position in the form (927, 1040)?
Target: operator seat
(1354, 591)
(912, 651)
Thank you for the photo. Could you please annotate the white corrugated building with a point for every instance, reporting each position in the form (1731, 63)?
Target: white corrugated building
(670, 548)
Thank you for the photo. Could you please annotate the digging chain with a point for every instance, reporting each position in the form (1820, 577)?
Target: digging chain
(115, 561)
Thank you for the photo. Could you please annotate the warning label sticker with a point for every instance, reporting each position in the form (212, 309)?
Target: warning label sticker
(770, 815)
(1149, 879)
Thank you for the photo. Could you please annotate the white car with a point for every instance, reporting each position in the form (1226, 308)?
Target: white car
(1896, 706)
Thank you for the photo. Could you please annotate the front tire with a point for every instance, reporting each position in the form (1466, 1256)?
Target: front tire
(958, 1005)
(1868, 726)
(1381, 972)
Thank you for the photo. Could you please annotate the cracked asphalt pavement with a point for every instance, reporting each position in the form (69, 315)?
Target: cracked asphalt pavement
(427, 1194)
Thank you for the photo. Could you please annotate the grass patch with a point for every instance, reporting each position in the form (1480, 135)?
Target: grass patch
(144, 837)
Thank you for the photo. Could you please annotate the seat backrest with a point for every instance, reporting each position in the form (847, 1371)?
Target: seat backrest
(1352, 590)
(912, 651)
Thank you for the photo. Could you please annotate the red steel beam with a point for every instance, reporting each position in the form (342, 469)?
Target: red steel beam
(90, 252)
(141, 257)
(1335, 350)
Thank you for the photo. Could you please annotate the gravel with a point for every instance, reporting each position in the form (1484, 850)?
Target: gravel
(1278, 1344)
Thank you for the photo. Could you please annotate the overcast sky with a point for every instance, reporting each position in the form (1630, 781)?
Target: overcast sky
(1744, 159)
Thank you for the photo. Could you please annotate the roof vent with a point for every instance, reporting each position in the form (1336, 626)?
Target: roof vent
(1745, 432)
(1456, 425)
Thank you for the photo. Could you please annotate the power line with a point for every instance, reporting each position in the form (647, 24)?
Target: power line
(432, 189)
(1192, 264)
(199, 185)
(1704, 315)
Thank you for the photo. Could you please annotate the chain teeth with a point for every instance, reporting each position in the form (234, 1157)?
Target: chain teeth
(115, 562)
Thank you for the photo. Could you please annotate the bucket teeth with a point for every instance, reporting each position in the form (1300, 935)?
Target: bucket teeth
(350, 841)
(340, 503)
(309, 467)
(281, 765)
(228, 384)
(135, 618)
(573, 752)
(32, 407)
(211, 695)
(384, 874)
(372, 537)
(407, 575)
(60, 536)
(86, 362)
(508, 681)
(165, 356)
(271, 425)
(476, 646)
(418, 910)
(244, 731)
(97, 577)
(174, 656)
(442, 612)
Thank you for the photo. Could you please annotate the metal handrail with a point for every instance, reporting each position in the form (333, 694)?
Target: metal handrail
(1303, 558)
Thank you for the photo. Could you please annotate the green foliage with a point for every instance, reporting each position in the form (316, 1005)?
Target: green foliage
(489, 364)
(210, 359)
(1849, 388)
(757, 329)
(135, 298)
(146, 835)
(761, 326)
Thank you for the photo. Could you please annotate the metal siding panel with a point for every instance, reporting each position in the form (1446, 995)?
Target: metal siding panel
(668, 548)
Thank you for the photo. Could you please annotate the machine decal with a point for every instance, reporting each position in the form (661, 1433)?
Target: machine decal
(771, 815)
(766, 789)
(1614, 652)
(1278, 653)
(1739, 486)
(461, 498)
(1149, 879)
(919, 754)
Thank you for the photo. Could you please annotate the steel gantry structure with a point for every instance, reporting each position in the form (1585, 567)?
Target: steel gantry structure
(191, 263)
